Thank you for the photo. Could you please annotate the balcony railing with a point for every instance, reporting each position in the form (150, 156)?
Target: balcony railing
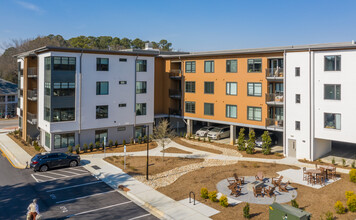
(175, 74)
(175, 111)
(32, 72)
(274, 123)
(274, 73)
(32, 118)
(274, 98)
(176, 94)
(32, 95)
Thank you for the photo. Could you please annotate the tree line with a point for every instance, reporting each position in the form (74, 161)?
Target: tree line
(8, 66)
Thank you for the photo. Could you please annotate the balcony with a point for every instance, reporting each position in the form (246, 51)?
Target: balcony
(274, 124)
(175, 74)
(274, 74)
(274, 98)
(32, 95)
(175, 94)
(31, 118)
(32, 72)
(175, 112)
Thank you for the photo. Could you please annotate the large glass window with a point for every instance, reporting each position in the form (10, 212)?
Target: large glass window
(2, 98)
(102, 64)
(47, 114)
(63, 89)
(47, 63)
(190, 86)
(64, 63)
(141, 87)
(47, 86)
(10, 98)
(209, 87)
(254, 113)
(332, 91)
(141, 65)
(254, 65)
(231, 66)
(190, 67)
(332, 121)
(231, 88)
(190, 107)
(47, 139)
(102, 111)
(102, 88)
(141, 109)
(231, 111)
(64, 140)
(100, 135)
(209, 66)
(63, 114)
(254, 89)
(208, 109)
(332, 63)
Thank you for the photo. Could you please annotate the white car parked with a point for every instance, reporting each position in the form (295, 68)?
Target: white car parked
(202, 132)
(219, 132)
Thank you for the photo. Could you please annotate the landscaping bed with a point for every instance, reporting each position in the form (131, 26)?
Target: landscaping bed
(175, 151)
(137, 165)
(320, 162)
(120, 148)
(185, 144)
(25, 146)
(316, 201)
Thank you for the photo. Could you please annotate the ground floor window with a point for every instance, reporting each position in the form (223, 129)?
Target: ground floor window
(47, 139)
(208, 109)
(332, 121)
(140, 131)
(64, 140)
(100, 135)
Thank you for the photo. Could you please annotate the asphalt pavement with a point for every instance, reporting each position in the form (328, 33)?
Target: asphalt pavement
(9, 123)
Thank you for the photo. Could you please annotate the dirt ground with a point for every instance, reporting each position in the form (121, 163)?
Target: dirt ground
(320, 162)
(179, 141)
(120, 148)
(137, 165)
(315, 201)
(28, 148)
(175, 150)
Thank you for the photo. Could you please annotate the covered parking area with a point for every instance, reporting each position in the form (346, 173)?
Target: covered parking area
(341, 151)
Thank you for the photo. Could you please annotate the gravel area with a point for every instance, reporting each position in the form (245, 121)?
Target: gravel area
(225, 151)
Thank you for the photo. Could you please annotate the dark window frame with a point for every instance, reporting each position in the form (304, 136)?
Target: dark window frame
(99, 88)
(61, 112)
(206, 88)
(142, 90)
(298, 98)
(65, 63)
(190, 86)
(101, 115)
(229, 105)
(141, 65)
(297, 71)
(253, 115)
(229, 64)
(102, 66)
(192, 105)
(141, 111)
(205, 108)
(230, 88)
(254, 69)
(67, 137)
(335, 92)
(254, 89)
(212, 66)
(335, 65)
(297, 125)
(334, 115)
(192, 65)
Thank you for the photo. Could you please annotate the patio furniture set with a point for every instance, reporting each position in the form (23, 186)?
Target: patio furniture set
(319, 175)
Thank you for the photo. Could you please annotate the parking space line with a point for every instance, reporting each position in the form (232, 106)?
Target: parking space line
(83, 197)
(69, 171)
(41, 175)
(94, 210)
(141, 216)
(58, 174)
(78, 169)
(35, 178)
(68, 187)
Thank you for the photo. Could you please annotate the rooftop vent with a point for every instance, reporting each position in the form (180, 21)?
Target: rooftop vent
(148, 46)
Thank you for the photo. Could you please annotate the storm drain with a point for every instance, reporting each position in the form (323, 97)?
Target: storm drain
(96, 167)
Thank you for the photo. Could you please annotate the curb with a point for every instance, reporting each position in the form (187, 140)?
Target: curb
(9, 154)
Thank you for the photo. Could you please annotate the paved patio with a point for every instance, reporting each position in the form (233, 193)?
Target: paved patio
(248, 196)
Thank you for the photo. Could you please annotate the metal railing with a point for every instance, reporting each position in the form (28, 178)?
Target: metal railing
(175, 73)
(276, 98)
(32, 72)
(274, 73)
(175, 93)
(32, 95)
(173, 111)
(274, 123)
(32, 118)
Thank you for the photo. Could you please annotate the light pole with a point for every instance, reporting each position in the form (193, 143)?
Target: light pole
(148, 142)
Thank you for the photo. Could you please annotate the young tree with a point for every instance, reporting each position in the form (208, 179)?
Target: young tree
(266, 143)
(251, 142)
(163, 134)
(241, 142)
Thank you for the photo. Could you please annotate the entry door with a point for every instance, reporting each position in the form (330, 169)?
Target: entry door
(292, 148)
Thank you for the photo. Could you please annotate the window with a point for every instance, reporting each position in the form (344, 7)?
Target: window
(332, 92)
(141, 87)
(122, 105)
(190, 107)
(190, 67)
(63, 114)
(102, 64)
(122, 60)
(254, 89)
(209, 66)
(64, 63)
(297, 98)
(64, 140)
(63, 89)
(190, 86)
(231, 111)
(47, 63)
(297, 71)
(332, 121)
(140, 131)
(100, 135)
(209, 87)
(332, 63)
(122, 82)
(141, 65)
(231, 88)
(102, 88)
(102, 111)
(121, 129)
(47, 86)
(2, 98)
(254, 113)
(231, 66)
(11, 98)
(47, 114)
(254, 65)
(297, 125)
(47, 139)
(208, 109)
(141, 109)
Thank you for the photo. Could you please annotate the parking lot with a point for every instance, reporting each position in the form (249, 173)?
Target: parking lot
(74, 193)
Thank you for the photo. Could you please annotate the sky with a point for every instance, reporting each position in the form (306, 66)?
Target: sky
(190, 25)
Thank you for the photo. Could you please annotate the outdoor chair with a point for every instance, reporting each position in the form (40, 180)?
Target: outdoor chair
(269, 191)
(236, 191)
(240, 180)
(333, 173)
(258, 191)
(231, 181)
(259, 176)
(232, 185)
(277, 181)
(283, 187)
(305, 174)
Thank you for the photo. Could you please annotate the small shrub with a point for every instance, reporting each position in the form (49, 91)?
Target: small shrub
(77, 149)
(204, 193)
(131, 141)
(124, 142)
(333, 161)
(85, 148)
(198, 138)
(348, 194)
(352, 174)
(91, 147)
(353, 165)
(351, 203)
(37, 148)
(145, 139)
(209, 140)
(97, 145)
(116, 143)
(140, 140)
(204, 139)
(212, 196)
(70, 149)
(329, 216)
(185, 135)
(246, 211)
(241, 143)
(251, 142)
(343, 162)
(223, 201)
(266, 143)
(339, 207)
(294, 203)
(111, 143)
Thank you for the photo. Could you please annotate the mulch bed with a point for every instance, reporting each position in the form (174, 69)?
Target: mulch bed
(28, 148)
(120, 148)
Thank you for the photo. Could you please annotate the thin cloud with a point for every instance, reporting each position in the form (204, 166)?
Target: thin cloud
(29, 6)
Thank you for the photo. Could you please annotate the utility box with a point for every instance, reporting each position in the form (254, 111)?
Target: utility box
(286, 212)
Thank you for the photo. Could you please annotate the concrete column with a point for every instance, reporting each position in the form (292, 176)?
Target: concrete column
(189, 127)
(232, 134)
(208, 123)
(250, 129)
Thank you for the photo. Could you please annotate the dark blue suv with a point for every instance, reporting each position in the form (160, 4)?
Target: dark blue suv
(45, 161)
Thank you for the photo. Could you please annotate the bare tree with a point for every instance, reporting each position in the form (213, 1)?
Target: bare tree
(163, 134)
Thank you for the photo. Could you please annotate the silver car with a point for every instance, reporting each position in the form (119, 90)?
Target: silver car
(202, 132)
(218, 133)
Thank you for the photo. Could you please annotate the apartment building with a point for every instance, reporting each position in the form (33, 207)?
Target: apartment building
(8, 99)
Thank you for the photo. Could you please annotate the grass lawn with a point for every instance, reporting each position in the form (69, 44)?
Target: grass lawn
(137, 165)
(175, 151)
(315, 201)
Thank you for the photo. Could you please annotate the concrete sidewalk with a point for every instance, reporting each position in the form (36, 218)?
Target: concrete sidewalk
(159, 204)
(15, 154)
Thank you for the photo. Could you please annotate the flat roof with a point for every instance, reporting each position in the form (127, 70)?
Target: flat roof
(7, 87)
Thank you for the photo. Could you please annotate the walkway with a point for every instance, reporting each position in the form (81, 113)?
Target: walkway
(13, 152)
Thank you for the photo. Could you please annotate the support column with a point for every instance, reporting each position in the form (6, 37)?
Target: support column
(208, 123)
(232, 134)
(189, 127)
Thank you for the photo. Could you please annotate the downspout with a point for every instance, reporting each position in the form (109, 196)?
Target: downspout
(285, 103)
(310, 108)
(134, 127)
(80, 96)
